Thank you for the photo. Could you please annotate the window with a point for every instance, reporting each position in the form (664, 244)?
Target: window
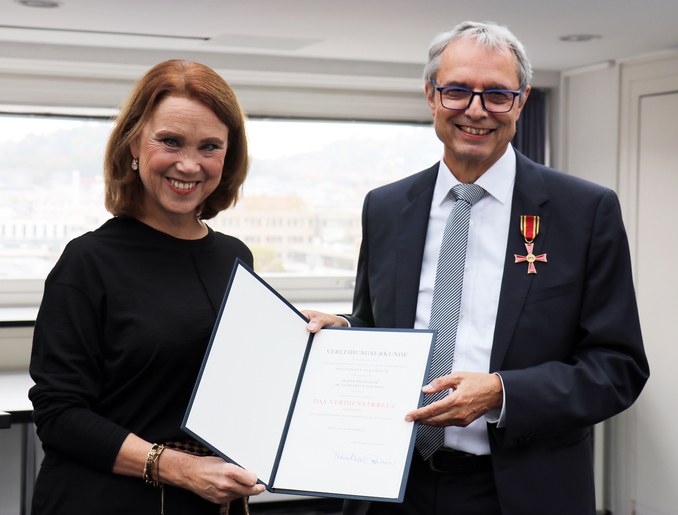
(51, 188)
(306, 186)
(300, 209)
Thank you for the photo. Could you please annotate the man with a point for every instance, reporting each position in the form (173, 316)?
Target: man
(547, 338)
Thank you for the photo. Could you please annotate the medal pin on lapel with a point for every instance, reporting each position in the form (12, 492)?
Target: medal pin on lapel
(529, 228)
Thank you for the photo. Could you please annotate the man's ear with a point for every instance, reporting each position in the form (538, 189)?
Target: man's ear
(522, 104)
(430, 96)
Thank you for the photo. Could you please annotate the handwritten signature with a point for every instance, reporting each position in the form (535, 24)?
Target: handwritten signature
(366, 459)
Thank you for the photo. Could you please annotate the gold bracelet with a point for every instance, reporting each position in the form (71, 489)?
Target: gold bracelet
(151, 459)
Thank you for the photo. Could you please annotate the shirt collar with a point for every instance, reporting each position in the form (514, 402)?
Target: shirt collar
(497, 180)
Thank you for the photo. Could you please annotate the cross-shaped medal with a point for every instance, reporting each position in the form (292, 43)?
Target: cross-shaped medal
(529, 228)
(530, 258)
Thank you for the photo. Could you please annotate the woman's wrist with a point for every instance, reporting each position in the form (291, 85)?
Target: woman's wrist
(152, 463)
(172, 468)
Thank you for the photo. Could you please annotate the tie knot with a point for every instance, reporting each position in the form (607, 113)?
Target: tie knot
(470, 193)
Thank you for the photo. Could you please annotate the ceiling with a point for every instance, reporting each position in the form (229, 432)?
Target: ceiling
(360, 44)
(395, 31)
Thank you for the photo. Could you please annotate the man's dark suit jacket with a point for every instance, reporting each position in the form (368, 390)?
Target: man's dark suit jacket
(567, 340)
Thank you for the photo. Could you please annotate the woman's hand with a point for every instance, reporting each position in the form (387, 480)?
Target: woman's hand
(210, 477)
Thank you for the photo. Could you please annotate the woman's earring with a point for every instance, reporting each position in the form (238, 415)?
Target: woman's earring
(135, 164)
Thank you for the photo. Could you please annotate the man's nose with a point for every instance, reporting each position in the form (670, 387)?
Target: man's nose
(476, 108)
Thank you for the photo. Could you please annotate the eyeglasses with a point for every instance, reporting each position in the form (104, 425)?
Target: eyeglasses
(460, 99)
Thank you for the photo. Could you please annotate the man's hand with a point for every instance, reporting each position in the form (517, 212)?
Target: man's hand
(473, 394)
(318, 320)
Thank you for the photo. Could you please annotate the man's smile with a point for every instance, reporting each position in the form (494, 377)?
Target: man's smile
(473, 130)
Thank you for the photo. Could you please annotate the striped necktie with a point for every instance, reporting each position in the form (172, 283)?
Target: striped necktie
(446, 301)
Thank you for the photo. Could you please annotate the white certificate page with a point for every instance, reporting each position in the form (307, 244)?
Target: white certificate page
(348, 434)
(242, 400)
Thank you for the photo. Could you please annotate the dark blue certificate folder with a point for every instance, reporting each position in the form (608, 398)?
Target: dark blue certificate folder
(310, 414)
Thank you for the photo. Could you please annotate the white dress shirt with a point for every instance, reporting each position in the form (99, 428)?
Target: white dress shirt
(485, 254)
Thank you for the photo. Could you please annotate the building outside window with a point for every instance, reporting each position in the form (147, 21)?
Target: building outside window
(299, 212)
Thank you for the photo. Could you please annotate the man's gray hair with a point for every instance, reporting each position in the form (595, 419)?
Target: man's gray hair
(490, 35)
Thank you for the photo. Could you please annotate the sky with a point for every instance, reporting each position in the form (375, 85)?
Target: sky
(273, 139)
(16, 128)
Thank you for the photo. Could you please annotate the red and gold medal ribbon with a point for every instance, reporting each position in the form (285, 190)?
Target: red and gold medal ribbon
(529, 227)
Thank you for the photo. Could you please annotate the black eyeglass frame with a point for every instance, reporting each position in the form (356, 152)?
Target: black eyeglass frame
(473, 95)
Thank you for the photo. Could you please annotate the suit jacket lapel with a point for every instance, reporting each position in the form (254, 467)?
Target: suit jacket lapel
(530, 197)
(412, 227)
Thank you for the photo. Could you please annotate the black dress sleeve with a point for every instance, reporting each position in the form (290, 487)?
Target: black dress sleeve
(66, 366)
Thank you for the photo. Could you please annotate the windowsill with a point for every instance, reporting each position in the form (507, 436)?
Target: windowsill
(18, 316)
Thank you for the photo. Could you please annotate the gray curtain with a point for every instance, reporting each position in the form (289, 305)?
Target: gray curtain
(530, 138)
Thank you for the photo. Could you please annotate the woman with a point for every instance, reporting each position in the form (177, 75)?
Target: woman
(129, 308)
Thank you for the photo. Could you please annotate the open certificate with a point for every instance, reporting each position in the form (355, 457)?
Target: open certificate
(319, 414)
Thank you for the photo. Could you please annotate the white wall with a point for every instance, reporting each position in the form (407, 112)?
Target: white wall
(645, 471)
(589, 135)
(600, 141)
(10, 471)
(590, 120)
